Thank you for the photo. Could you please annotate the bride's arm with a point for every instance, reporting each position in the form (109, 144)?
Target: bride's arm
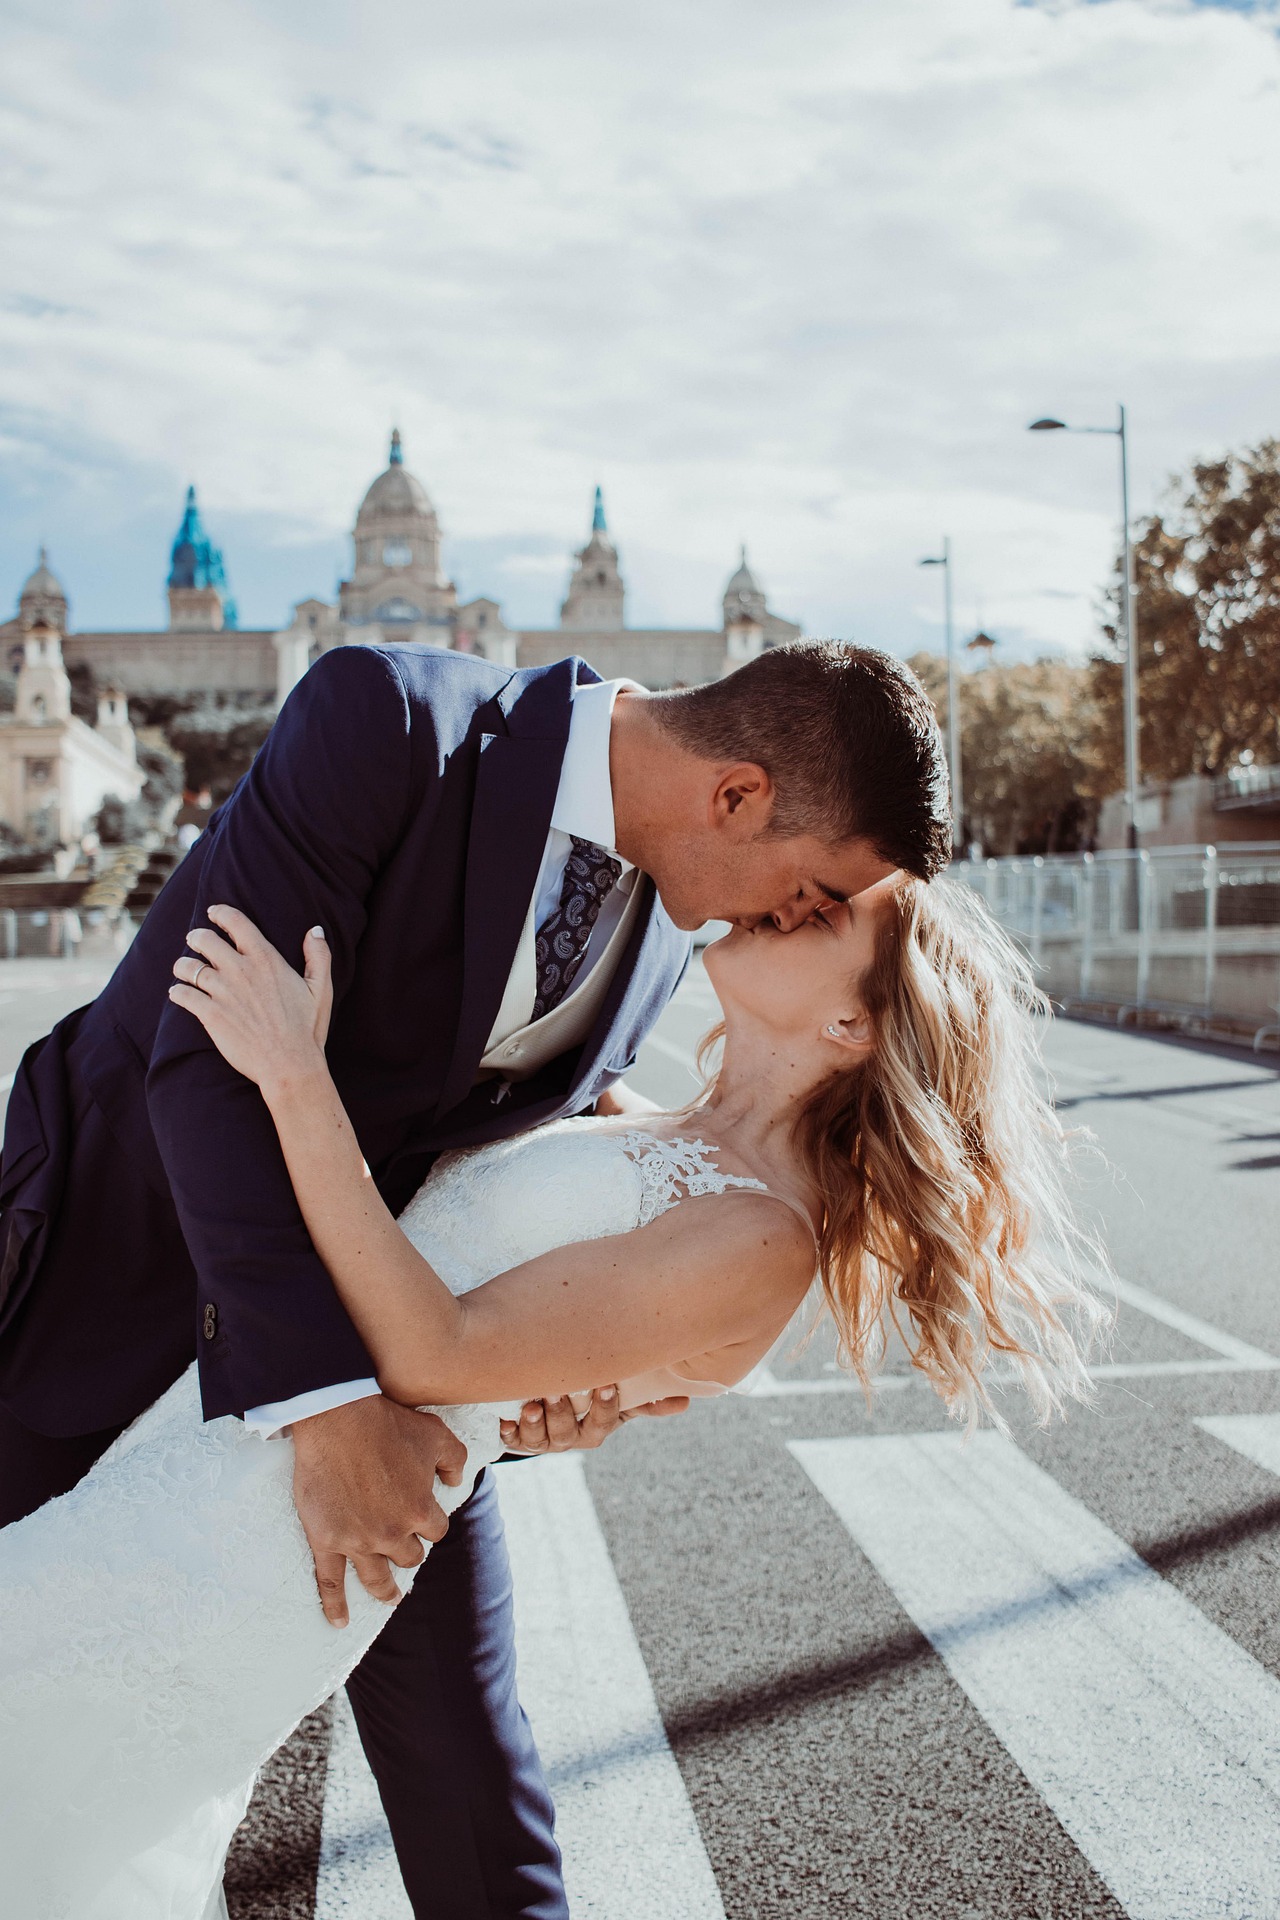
(704, 1276)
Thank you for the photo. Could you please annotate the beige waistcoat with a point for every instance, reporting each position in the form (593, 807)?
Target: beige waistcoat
(520, 1045)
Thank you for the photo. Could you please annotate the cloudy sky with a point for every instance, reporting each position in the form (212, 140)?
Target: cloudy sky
(794, 272)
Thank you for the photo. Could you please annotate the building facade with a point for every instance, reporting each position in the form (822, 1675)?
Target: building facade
(55, 769)
(397, 591)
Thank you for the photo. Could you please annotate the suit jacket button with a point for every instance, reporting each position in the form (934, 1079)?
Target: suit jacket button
(210, 1321)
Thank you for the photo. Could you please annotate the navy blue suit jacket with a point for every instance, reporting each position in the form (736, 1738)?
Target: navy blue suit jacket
(402, 802)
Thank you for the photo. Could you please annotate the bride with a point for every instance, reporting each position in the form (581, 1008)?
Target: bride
(877, 1116)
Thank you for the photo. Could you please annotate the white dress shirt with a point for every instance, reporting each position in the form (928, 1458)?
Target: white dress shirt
(583, 809)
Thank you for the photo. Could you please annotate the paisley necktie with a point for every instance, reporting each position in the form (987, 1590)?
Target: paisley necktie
(590, 875)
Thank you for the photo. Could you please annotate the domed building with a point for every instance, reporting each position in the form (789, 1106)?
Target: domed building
(41, 597)
(397, 590)
(743, 595)
(397, 582)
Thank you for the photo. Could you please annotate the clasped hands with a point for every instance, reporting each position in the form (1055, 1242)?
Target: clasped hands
(364, 1480)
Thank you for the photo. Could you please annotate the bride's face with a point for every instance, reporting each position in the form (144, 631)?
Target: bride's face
(798, 984)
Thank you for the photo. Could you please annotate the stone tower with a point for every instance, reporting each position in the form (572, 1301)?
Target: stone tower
(596, 593)
(397, 583)
(744, 595)
(42, 597)
(44, 690)
(114, 723)
(198, 601)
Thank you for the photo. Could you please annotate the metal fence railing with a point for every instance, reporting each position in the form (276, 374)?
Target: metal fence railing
(61, 933)
(1189, 932)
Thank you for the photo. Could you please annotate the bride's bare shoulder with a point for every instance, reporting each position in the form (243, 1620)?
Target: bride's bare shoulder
(751, 1237)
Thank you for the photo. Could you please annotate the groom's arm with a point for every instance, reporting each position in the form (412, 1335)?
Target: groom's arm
(300, 844)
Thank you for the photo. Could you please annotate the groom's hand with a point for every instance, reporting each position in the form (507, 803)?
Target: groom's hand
(363, 1483)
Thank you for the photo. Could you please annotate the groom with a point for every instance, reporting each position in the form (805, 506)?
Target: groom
(502, 864)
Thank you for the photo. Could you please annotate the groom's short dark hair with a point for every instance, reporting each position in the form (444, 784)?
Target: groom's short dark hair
(847, 735)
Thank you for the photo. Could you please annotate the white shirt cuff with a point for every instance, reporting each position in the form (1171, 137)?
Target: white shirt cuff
(268, 1420)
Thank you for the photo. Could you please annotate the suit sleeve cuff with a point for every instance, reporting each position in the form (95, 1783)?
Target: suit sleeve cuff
(268, 1420)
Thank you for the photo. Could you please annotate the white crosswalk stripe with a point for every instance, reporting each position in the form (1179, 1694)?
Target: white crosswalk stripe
(1152, 1736)
(630, 1840)
(1240, 1352)
(1255, 1435)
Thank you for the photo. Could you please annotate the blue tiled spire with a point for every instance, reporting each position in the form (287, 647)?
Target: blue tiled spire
(397, 451)
(598, 521)
(194, 561)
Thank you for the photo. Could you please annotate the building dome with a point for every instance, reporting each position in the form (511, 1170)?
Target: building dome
(395, 490)
(743, 595)
(43, 598)
(397, 582)
(743, 581)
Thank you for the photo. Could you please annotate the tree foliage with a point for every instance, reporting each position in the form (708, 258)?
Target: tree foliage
(217, 739)
(1027, 736)
(1207, 578)
(120, 820)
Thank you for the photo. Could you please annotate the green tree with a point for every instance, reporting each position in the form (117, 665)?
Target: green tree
(1026, 751)
(119, 820)
(1207, 578)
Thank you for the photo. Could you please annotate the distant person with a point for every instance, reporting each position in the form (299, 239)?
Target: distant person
(70, 933)
(502, 864)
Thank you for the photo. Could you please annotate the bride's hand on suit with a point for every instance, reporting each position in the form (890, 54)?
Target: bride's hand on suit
(268, 1021)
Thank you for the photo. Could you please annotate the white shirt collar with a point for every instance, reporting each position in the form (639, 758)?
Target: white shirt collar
(584, 797)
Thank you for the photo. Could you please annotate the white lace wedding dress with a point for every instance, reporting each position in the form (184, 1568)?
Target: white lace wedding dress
(159, 1628)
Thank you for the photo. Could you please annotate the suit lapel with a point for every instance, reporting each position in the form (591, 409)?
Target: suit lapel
(517, 775)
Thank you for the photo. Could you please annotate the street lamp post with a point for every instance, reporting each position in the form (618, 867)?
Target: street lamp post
(1132, 768)
(943, 560)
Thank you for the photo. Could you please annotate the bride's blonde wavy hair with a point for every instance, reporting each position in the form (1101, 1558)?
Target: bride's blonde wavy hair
(943, 1169)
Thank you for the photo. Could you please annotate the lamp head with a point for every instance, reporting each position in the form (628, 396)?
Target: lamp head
(1047, 426)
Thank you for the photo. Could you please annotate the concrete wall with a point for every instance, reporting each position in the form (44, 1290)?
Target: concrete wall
(179, 663)
(656, 657)
(1181, 813)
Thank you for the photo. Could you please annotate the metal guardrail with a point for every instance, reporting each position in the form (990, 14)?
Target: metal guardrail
(1246, 787)
(61, 933)
(1190, 933)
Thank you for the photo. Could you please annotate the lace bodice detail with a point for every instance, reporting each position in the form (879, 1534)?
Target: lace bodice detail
(675, 1170)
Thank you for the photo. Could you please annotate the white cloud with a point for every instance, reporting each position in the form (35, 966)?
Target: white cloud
(798, 276)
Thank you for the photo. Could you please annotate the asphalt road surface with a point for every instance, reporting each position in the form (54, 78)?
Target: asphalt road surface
(789, 1655)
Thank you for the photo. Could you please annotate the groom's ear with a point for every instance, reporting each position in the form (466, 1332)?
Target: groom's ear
(742, 799)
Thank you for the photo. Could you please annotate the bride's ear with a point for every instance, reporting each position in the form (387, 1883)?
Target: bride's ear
(851, 1035)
